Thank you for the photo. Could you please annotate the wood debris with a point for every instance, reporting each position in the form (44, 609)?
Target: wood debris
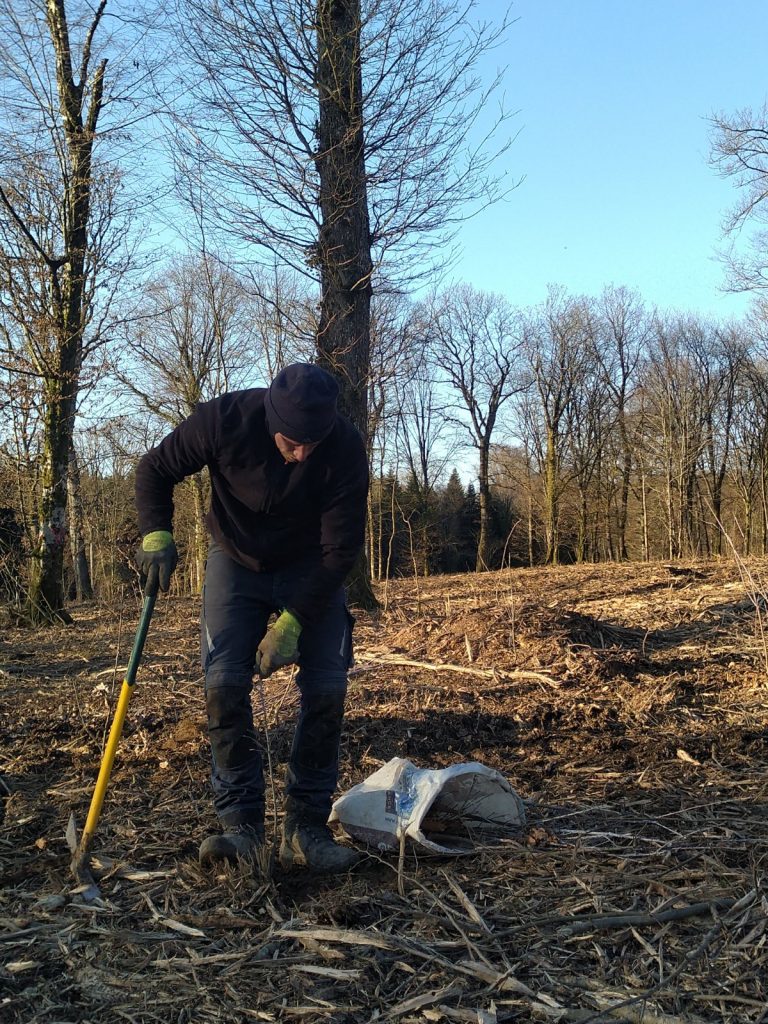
(626, 703)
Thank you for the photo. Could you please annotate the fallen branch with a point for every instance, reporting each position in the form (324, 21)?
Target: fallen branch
(587, 922)
(604, 922)
(440, 666)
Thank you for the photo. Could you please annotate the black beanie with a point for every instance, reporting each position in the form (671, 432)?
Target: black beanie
(301, 403)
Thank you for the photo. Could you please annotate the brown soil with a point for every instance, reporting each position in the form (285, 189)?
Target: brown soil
(625, 703)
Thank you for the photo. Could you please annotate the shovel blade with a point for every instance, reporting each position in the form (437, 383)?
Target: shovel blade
(71, 834)
(87, 889)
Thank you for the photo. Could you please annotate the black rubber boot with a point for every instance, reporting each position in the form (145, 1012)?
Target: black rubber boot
(307, 842)
(239, 842)
(313, 769)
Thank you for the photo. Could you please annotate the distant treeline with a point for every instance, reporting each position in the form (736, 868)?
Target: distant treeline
(591, 429)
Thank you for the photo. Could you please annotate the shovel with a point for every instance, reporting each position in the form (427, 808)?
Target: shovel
(79, 848)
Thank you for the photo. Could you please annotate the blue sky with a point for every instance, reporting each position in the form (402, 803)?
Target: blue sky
(614, 98)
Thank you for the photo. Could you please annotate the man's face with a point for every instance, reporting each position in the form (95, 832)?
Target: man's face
(294, 451)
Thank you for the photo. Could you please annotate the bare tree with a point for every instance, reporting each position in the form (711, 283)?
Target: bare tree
(587, 425)
(622, 327)
(422, 430)
(45, 205)
(194, 342)
(339, 136)
(748, 465)
(740, 153)
(557, 352)
(395, 354)
(423, 445)
(62, 224)
(677, 427)
(474, 339)
(720, 354)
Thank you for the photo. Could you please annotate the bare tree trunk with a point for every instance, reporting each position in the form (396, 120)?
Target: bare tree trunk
(80, 565)
(626, 475)
(371, 536)
(200, 533)
(530, 530)
(46, 590)
(66, 280)
(671, 552)
(582, 528)
(344, 252)
(484, 498)
(344, 243)
(746, 499)
(551, 510)
(644, 493)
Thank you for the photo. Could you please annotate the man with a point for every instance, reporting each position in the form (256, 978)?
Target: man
(289, 479)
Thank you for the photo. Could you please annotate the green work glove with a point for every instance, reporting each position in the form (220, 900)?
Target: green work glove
(157, 558)
(280, 645)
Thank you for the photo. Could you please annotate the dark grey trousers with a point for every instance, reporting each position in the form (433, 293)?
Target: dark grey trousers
(237, 604)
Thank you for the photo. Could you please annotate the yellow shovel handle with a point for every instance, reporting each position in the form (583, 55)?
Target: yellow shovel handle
(97, 800)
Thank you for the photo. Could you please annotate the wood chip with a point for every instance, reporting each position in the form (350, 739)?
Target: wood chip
(326, 972)
(18, 966)
(349, 938)
(632, 897)
(183, 929)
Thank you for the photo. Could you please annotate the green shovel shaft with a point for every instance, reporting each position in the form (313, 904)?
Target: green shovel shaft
(141, 636)
(107, 761)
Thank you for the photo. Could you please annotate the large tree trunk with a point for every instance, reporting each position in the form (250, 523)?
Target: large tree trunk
(67, 289)
(46, 590)
(344, 243)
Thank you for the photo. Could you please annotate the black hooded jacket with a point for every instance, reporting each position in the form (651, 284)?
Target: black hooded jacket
(265, 513)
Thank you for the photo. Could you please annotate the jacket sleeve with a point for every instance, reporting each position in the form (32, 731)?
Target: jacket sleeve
(184, 451)
(342, 533)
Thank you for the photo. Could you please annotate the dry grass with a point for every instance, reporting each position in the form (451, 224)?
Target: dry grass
(626, 703)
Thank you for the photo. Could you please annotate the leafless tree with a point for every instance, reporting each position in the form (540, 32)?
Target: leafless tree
(422, 431)
(676, 422)
(395, 355)
(740, 153)
(622, 328)
(341, 136)
(720, 354)
(474, 339)
(557, 352)
(62, 223)
(748, 464)
(197, 339)
(587, 418)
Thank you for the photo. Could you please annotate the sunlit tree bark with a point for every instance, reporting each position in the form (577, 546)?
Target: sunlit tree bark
(45, 208)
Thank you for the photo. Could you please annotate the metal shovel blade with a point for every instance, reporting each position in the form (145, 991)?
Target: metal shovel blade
(87, 889)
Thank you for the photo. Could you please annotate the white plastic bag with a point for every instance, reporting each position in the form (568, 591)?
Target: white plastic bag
(440, 810)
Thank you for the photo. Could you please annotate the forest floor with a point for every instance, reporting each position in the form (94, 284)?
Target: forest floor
(625, 703)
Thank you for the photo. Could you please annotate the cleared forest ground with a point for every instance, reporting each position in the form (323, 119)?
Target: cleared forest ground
(625, 703)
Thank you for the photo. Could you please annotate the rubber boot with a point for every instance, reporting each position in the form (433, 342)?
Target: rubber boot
(239, 842)
(307, 842)
(313, 770)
